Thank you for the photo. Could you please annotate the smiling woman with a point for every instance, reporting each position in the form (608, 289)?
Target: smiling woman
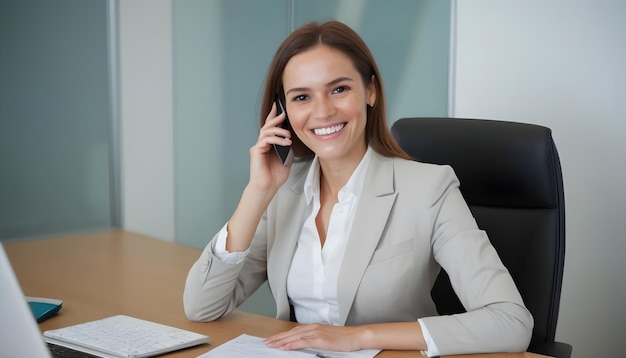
(327, 104)
(351, 236)
(221, 52)
(350, 70)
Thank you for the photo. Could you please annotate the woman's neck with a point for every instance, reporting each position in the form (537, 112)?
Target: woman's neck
(334, 174)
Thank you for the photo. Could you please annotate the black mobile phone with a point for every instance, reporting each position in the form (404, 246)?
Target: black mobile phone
(285, 153)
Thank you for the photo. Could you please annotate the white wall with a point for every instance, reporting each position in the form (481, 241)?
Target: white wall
(146, 116)
(562, 64)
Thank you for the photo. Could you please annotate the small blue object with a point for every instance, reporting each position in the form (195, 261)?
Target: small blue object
(44, 308)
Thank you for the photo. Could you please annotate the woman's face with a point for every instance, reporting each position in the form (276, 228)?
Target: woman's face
(326, 101)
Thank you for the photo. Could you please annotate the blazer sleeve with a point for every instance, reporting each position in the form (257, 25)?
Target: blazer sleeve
(214, 288)
(496, 319)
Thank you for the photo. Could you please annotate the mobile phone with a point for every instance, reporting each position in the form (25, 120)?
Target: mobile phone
(285, 153)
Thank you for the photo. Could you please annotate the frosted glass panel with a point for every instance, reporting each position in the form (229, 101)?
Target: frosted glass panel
(221, 52)
(54, 117)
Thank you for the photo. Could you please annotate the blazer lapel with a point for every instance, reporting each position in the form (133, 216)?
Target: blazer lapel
(290, 210)
(372, 213)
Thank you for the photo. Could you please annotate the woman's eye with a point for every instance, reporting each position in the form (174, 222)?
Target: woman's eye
(300, 98)
(340, 89)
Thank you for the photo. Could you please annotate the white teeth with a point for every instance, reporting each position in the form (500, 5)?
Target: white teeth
(329, 130)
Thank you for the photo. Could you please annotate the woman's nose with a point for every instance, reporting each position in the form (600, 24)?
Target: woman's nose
(323, 108)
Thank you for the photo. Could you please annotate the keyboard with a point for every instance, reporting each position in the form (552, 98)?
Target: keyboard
(124, 336)
(58, 351)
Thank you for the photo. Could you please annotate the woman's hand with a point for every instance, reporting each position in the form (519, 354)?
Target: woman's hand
(267, 173)
(320, 336)
(394, 335)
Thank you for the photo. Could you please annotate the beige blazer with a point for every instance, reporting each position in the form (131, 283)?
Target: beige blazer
(411, 220)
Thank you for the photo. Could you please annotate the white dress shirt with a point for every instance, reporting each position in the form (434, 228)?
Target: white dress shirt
(312, 277)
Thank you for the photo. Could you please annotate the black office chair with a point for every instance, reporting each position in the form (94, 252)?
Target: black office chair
(511, 178)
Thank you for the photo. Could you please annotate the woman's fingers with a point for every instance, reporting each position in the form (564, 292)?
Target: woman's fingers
(266, 169)
(319, 336)
(273, 122)
(268, 137)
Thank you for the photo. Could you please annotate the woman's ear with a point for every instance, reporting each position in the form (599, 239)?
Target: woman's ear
(371, 92)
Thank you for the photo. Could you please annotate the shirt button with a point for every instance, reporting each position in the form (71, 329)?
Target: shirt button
(204, 267)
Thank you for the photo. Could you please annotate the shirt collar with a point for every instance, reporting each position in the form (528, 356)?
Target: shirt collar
(353, 187)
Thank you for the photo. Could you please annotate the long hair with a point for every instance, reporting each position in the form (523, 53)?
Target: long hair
(340, 37)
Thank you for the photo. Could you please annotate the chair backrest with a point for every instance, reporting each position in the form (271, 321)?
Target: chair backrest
(510, 176)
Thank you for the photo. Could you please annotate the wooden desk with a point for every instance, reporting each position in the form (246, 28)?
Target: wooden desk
(104, 274)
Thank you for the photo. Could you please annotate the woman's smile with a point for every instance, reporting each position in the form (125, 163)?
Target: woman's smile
(329, 130)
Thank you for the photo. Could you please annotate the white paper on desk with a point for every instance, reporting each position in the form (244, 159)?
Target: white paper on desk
(246, 346)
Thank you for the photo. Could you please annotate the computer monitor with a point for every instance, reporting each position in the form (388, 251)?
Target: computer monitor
(20, 336)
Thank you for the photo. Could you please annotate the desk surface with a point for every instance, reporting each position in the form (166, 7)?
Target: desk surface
(104, 274)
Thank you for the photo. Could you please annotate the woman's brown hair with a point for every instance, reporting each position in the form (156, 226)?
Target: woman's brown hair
(340, 37)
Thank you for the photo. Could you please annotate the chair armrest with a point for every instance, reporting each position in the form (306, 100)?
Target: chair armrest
(553, 349)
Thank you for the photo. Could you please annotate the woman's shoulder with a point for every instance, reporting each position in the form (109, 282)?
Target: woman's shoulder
(414, 172)
(402, 165)
(420, 182)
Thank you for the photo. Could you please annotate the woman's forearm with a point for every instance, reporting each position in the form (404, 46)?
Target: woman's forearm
(242, 225)
(396, 335)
